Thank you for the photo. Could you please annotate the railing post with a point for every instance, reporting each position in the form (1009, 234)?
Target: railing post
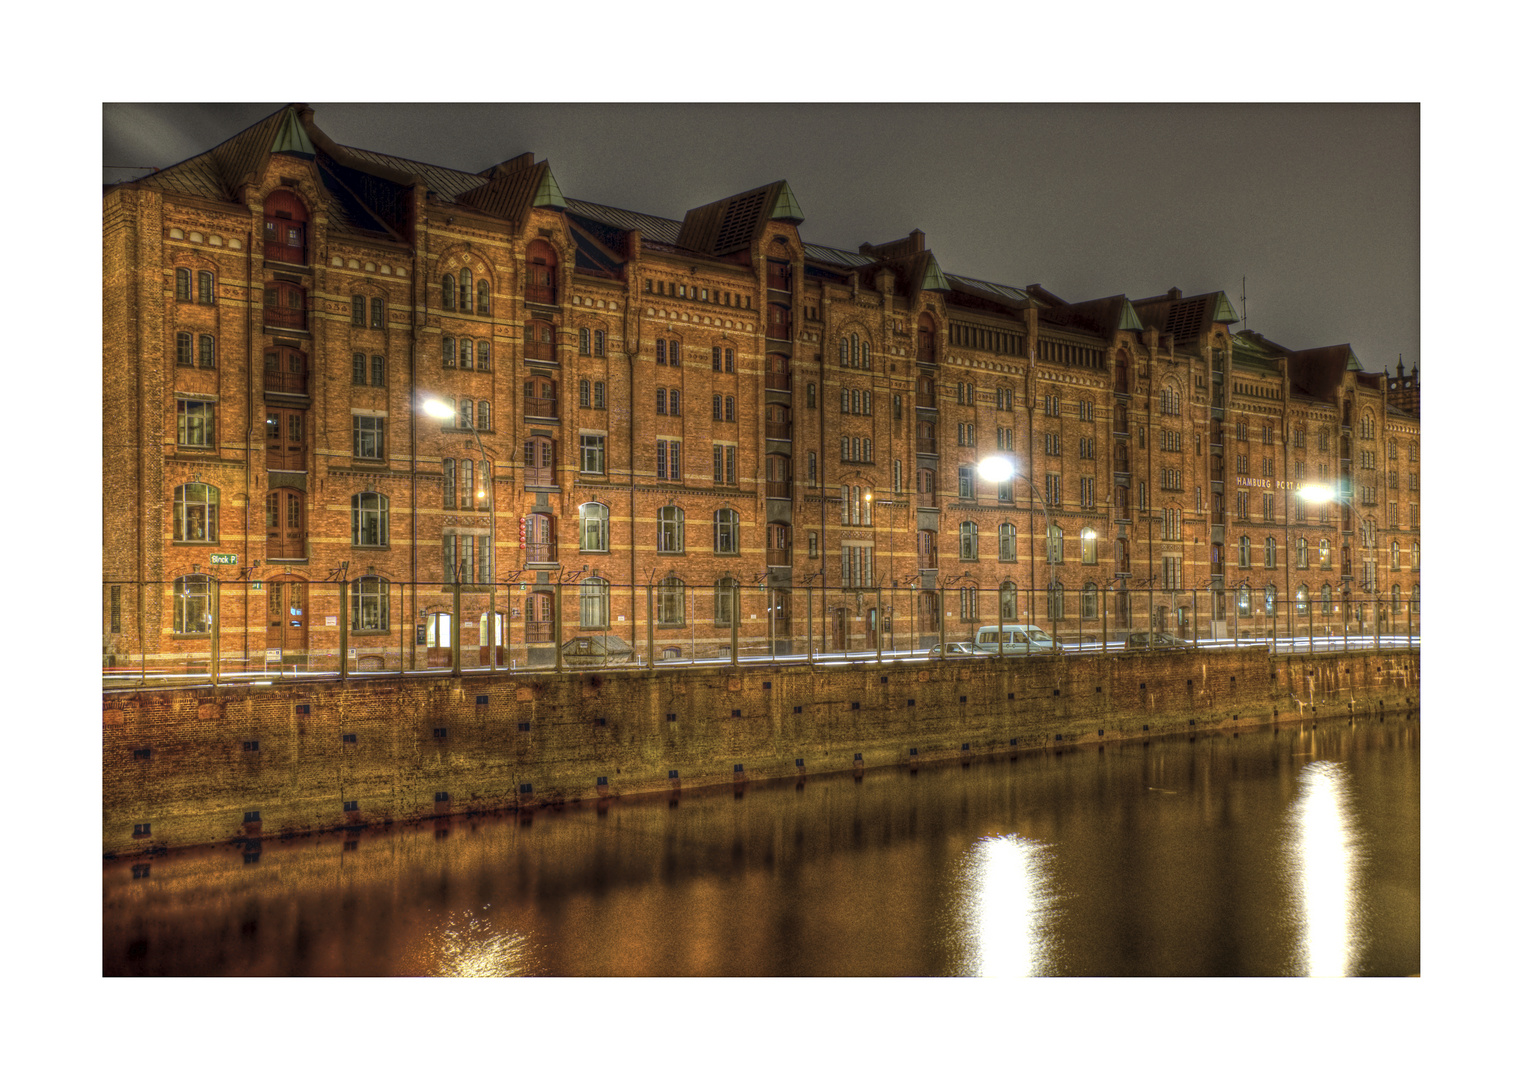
(454, 630)
(735, 625)
(142, 628)
(507, 630)
(556, 627)
(650, 628)
(809, 648)
(213, 663)
(1104, 624)
(1195, 618)
(941, 618)
(878, 630)
(343, 631)
(492, 621)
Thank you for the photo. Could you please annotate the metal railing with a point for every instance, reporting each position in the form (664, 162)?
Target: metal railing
(200, 629)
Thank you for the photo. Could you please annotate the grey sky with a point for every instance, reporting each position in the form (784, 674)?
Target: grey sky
(1317, 205)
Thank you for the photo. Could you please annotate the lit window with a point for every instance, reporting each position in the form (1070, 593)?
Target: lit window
(368, 519)
(193, 604)
(669, 522)
(196, 513)
(593, 527)
(369, 604)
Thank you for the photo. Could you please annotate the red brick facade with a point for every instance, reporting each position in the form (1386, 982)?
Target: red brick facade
(277, 309)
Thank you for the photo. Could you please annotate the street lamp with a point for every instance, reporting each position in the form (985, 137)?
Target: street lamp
(441, 410)
(1321, 493)
(998, 469)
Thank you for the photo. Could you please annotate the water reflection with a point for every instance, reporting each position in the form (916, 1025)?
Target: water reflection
(1007, 897)
(468, 946)
(1324, 855)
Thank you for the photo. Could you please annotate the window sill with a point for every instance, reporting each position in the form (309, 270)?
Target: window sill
(195, 543)
(383, 632)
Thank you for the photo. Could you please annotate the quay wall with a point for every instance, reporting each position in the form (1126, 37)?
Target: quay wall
(185, 766)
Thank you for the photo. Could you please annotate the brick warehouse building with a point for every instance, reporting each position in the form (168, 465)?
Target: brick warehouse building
(679, 417)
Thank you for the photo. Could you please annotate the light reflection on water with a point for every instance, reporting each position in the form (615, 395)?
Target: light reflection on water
(1006, 898)
(1281, 852)
(1324, 855)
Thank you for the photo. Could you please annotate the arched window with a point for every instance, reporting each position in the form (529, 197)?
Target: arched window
(1244, 600)
(584, 341)
(594, 613)
(483, 356)
(1415, 597)
(369, 606)
(196, 513)
(925, 339)
(1055, 600)
(467, 354)
(1415, 566)
(669, 523)
(1269, 551)
(967, 541)
(447, 350)
(369, 523)
(1302, 605)
(671, 602)
(1089, 601)
(1324, 554)
(1007, 542)
(483, 416)
(539, 277)
(1395, 600)
(447, 293)
(856, 351)
(845, 345)
(726, 532)
(1395, 555)
(1327, 599)
(867, 355)
(539, 340)
(483, 297)
(1008, 596)
(1054, 544)
(193, 604)
(593, 526)
(967, 598)
(466, 292)
(1301, 553)
(1269, 598)
(724, 601)
(182, 284)
(1088, 547)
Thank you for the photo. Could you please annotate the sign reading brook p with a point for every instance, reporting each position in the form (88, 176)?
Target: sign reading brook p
(224, 560)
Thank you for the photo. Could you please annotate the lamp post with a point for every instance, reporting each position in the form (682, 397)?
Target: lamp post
(1321, 493)
(997, 469)
(439, 410)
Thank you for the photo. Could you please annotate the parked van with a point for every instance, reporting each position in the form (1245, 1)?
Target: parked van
(1019, 640)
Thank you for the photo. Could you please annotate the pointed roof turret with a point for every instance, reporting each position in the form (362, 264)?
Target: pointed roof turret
(786, 207)
(291, 137)
(548, 194)
(931, 277)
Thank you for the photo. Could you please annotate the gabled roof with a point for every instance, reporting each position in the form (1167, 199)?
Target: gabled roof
(1104, 316)
(513, 187)
(219, 172)
(1186, 317)
(733, 223)
(1319, 372)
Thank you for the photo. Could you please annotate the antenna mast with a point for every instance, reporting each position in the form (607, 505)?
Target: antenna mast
(1243, 299)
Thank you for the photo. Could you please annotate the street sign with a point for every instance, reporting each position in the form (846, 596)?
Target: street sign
(224, 560)
(272, 656)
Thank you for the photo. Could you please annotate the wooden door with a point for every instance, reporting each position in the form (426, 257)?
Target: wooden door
(284, 439)
(285, 528)
(539, 538)
(539, 618)
(539, 462)
(287, 616)
(838, 631)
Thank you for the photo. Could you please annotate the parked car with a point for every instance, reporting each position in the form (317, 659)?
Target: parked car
(1020, 639)
(953, 649)
(1153, 640)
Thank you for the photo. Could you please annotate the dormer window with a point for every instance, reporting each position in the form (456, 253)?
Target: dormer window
(539, 281)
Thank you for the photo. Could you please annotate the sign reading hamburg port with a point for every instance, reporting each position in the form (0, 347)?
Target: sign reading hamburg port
(224, 560)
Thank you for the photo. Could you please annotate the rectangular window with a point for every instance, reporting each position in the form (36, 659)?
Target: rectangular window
(370, 437)
(1054, 489)
(449, 483)
(357, 310)
(814, 545)
(668, 459)
(592, 454)
(1268, 507)
(813, 475)
(965, 481)
(377, 315)
(197, 423)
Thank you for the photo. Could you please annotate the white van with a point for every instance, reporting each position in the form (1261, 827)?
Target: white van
(1019, 639)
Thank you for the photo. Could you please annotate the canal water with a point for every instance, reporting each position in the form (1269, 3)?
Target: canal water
(1292, 851)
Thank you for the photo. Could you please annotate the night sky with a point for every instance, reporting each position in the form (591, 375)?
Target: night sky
(1316, 205)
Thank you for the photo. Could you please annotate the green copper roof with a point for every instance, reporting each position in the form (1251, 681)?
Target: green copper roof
(933, 280)
(1129, 319)
(1224, 312)
(787, 207)
(549, 193)
(292, 137)
(1353, 362)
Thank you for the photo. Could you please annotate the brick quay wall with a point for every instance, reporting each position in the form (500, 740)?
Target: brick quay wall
(204, 765)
